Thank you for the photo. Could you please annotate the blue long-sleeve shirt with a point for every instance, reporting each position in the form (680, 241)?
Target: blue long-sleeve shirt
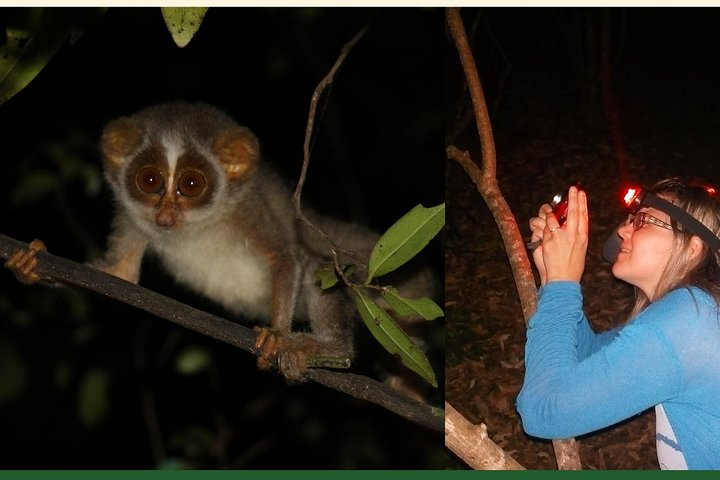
(577, 381)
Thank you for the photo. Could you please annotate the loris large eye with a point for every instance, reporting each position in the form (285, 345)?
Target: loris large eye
(150, 180)
(191, 183)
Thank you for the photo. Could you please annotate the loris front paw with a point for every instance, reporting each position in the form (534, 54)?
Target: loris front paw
(293, 354)
(276, 350)
(266, 347)
(22, 264)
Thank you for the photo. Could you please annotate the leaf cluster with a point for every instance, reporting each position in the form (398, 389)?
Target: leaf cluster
(398, 245)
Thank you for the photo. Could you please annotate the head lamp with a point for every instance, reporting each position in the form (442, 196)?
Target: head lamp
(632, 199)
(636, 198)
(689, 223)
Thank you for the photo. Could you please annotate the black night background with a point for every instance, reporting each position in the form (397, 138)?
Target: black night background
(90, 383)
(607, 96)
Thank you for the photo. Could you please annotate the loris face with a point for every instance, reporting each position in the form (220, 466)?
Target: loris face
(170, 165)
(171, 182)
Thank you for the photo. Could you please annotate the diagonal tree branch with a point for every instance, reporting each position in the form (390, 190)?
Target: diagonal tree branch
(319, 89)
(566, 451)
(67, 272)
(485, 179)
(472, 444)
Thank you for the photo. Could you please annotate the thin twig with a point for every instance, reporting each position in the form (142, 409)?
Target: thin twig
(324, 83)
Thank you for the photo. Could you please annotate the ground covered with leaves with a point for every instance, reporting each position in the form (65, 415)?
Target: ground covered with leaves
(543, 145)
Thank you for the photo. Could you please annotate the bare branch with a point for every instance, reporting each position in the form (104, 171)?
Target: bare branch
(566, 451)
(324, 83)
(482, 118)
(472, 444)
(58, 269)
(514, 245)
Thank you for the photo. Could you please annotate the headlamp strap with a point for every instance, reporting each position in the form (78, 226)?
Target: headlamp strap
(692, 224)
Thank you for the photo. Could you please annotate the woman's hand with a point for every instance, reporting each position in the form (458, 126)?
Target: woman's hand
(564, 248)
(537, 227)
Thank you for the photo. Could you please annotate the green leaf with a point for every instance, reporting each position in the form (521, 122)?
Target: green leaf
(192, 360)
(392, 337)
(327, 276)
(409, 307)
(405, 239)
(32, 37)
(25, 54)
(348, 270)
(183, 22)
(93, 397)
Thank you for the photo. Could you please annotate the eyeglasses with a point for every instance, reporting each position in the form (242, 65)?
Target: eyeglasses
(643, 218)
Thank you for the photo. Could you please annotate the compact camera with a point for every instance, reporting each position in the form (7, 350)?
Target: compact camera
(559, 204)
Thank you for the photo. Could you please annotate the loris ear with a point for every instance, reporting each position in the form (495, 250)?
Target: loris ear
(120, 138)
(238, 150)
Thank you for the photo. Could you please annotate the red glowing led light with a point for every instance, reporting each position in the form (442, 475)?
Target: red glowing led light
(630, 195)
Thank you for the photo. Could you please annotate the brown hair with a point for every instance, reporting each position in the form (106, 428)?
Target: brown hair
(701, 202)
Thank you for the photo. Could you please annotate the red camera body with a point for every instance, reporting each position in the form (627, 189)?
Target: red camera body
(560, 204)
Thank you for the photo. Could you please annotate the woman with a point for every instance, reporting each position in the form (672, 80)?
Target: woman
(667, 356)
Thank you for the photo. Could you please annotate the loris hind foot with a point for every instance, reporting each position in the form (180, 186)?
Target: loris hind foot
(22, 264)
(291, 354)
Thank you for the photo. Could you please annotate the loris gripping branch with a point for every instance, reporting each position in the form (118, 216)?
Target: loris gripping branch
(189, 185)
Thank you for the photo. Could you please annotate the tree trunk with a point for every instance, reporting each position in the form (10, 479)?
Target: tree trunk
(567, 453)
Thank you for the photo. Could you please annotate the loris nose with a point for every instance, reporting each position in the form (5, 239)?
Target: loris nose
(167, 215)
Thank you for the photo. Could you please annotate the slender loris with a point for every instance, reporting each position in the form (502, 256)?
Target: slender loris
(190, 187)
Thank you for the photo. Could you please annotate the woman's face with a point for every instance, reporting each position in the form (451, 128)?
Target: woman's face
(644, 253)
